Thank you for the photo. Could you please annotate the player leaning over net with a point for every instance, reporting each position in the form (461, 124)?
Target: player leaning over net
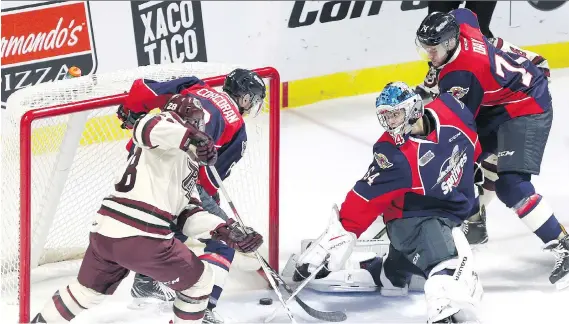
(131, 231)
(243, 94)
(422, 181)
(507, 90)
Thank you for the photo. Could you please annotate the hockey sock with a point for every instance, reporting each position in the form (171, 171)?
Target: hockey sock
(68, 302)
(190, 304)
(539, 218)
(517, 192)
(219, 256)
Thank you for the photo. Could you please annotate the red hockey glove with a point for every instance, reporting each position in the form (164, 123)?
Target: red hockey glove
(232, 234)
(127, 117)
(205, 150)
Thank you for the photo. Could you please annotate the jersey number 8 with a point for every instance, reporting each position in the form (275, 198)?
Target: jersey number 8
(129, 176)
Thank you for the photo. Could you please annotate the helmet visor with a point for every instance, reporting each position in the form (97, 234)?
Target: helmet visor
(255, 106)
(436, 54)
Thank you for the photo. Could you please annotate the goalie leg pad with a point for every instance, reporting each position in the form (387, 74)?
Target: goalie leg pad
(190, 304)
(448, 293)
(246, 262)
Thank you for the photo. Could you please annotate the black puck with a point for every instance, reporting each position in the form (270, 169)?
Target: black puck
(265, 301)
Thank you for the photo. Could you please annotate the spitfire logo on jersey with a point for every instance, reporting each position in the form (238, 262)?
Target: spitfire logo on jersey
(451, 170)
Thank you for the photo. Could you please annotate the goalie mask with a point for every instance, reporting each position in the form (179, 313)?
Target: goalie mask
(188, 108)
(398, 107)
(247, 89)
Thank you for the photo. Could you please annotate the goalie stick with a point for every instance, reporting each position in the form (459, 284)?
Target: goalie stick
(264, 266)
(299, 288)
(331, 316)
(272, 275)
(381, 233)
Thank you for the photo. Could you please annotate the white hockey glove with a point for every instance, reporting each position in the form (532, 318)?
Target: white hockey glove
(335, 241)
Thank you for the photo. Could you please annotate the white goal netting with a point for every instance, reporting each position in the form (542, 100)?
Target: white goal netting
(74, 158)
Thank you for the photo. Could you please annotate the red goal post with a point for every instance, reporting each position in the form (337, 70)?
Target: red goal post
(72, 97)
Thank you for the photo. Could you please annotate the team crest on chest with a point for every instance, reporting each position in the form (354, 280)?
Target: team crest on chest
(189, 181)
(382, 161)
(451, 170)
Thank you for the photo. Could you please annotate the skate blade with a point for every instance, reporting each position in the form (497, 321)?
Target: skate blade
(563, 283)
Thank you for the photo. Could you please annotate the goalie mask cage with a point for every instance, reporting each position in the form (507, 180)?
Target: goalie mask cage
(62, 147)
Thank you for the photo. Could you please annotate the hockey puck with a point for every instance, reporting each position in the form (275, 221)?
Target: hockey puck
(265, 301)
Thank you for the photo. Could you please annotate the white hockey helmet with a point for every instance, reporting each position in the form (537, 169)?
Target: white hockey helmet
(398, 107)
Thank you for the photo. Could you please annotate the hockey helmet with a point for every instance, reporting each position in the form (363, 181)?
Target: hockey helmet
(437, 37)
(188, 108)
(398, 107)
(247, 89)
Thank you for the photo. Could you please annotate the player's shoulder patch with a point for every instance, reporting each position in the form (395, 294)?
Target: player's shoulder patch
(387, 155)
(458, 92)
(382, 160)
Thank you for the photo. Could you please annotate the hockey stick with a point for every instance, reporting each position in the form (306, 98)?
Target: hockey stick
(333, 316)
(381, 233)
(257, 255)
(299, 288)
(272, 275)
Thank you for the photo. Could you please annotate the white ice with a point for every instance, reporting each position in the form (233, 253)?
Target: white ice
(325, 148)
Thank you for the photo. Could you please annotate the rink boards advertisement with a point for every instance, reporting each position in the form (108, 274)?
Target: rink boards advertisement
(322, 49)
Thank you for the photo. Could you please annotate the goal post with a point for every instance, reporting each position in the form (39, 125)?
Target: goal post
(58, 138)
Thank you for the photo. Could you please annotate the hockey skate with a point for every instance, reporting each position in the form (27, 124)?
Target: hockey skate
(212, 317)
(475, 231)
(560, 273)
(460, 317)
(147, 291)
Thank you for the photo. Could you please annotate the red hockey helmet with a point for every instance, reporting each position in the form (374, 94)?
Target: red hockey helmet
(188, 108)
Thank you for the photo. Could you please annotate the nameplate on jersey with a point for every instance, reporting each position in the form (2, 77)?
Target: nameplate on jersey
(222, 102)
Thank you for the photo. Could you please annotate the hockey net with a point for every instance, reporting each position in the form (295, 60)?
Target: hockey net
(62, 146)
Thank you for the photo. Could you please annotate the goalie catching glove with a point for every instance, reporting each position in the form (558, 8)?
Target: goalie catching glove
(233, 235)
(335, 242)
